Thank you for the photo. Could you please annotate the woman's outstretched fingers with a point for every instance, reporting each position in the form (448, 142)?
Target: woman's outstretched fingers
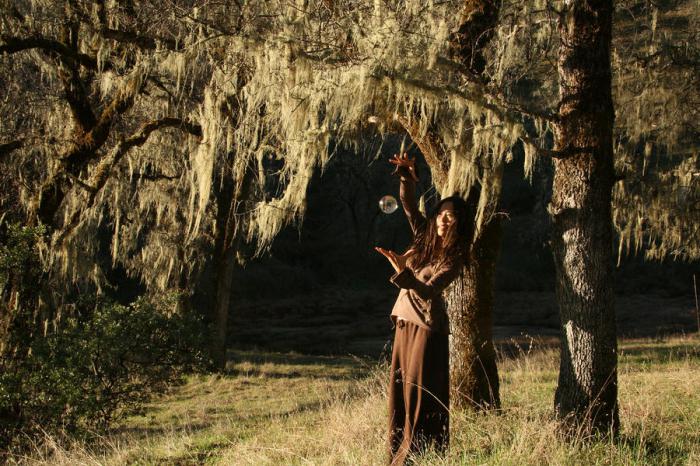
(402, 160)
(398, 261)
(391, 256)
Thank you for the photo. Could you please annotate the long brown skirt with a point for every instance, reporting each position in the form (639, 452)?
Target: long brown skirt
(419, 390)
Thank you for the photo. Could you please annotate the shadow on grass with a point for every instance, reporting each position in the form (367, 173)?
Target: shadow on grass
(302, 365)
(657, 354)
(515, 348)
(653, 450)
(142, 431)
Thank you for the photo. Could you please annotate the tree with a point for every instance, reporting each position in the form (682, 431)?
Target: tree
(596, 187)
(413, 66)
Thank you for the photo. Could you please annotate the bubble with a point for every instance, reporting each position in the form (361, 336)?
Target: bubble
(388, 204)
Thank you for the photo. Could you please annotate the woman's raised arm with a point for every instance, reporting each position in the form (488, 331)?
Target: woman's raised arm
(406, 169)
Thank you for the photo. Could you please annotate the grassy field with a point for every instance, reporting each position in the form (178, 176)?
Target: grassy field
(290, 408)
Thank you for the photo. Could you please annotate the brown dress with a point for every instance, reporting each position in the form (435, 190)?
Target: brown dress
(419, 379)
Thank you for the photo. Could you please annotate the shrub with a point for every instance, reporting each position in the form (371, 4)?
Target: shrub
(91, 366)
(95, 368)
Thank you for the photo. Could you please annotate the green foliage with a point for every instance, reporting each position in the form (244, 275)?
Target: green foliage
(16, 249)
(94, 364)
(99, 366)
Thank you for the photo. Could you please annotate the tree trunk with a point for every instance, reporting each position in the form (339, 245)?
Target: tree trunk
(228, 249)
(226, 264)
(473, 372)
(586, 395)
(225, 261)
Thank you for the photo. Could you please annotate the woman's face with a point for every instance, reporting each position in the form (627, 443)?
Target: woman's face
(445, 218)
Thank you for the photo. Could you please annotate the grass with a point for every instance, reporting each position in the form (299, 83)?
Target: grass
(290, 408)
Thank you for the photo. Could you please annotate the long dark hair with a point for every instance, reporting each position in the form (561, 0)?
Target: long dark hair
(428, 246)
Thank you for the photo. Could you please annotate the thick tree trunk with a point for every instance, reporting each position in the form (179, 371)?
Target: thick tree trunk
(586, 396)
(473, 372)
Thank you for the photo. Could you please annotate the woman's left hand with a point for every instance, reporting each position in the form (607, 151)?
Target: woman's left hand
(398, 261)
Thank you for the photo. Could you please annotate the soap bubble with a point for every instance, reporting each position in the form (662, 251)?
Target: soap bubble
(388, 204)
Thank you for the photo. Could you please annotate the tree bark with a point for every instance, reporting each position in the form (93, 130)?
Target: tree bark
(473, 371)
(225, 258)
(586, 395)
(226, 265)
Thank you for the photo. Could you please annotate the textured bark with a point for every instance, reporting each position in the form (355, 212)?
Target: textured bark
(586, 396)
(473, 371)
(479, 18)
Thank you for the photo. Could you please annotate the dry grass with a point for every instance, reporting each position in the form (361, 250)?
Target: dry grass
(277, 408)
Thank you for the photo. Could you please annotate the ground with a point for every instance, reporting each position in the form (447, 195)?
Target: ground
(278, 406)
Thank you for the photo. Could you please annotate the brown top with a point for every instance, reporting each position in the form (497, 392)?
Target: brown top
(420, 300)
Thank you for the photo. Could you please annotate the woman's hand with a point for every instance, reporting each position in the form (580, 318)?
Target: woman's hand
(402, 161)
(398, 261)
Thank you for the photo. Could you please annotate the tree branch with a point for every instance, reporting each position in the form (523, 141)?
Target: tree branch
(481, 88)
(144, 42)
(76, 96)
(15, 44)
(429, 146)
(7, 147)
(76, 157)
(102, 172)
(84, 149)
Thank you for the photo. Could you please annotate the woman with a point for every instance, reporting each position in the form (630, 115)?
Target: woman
(419, 378)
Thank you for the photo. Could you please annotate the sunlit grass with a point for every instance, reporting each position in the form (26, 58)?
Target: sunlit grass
(274, 408)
